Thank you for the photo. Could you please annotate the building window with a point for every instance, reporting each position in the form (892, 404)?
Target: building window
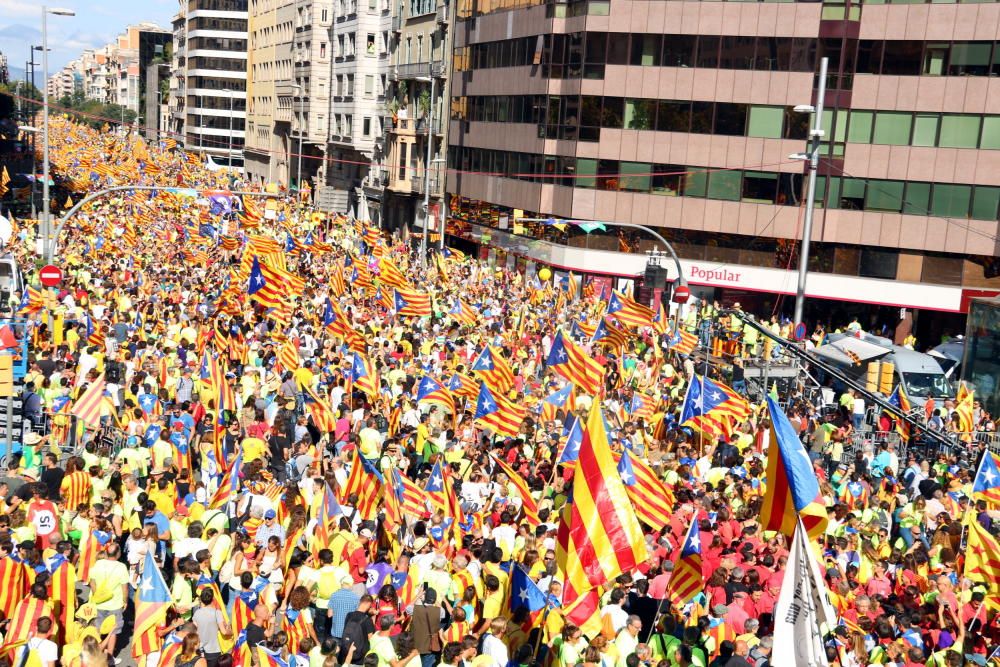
(731, 119)
(370, 44)
(892, 128)
(959, 131)
(645, 50)
(951, 201)
(322, 49)
(324, 14)
(918, 199)
(673, 116)
(885, 196)
(766, 122)
(366, 126)
(860, 130)
(724, 185)
(640, 114)
(635, 176)
(759, 187)
(402, 161)
(878, 263)
(985, 201)
(925, 129)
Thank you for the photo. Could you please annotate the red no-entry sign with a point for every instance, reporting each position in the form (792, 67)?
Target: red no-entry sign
(681, 294)
(50, 275)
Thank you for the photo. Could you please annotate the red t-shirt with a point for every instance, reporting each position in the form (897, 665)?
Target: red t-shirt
(43, 516)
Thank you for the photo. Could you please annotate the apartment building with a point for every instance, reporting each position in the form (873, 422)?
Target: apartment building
(208, 83)
(679, 115)
(114, 73)
(289, 96)
(421, 48)
(356, 160)
(66, 81)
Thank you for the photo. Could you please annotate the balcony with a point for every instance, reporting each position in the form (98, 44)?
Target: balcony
(417, 184)
(418, 71)
(442, 14)
(397, 23)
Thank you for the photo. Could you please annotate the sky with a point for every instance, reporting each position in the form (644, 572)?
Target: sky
(96, 23)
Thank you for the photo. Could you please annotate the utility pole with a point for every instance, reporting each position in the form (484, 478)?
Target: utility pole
(815, 139)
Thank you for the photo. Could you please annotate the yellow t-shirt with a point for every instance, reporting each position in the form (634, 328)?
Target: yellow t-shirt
(253, 449)
(304, 377)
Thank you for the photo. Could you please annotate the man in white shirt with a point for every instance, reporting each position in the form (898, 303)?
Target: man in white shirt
(619, 617)
(493, 644)
(191, 544)
(40, 644)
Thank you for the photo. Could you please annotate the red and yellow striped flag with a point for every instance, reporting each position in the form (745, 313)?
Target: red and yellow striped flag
(13, 585)
(653, 500)
(570, 361)
(629, 312)
(520, 485)
(982, 561)
(599, 536)
(88, 406)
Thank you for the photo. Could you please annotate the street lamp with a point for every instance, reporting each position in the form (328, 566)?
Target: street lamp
(46, 246)
(427, 168)
(815, 137)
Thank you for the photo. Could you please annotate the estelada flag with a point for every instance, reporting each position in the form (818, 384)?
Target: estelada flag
(792, 488)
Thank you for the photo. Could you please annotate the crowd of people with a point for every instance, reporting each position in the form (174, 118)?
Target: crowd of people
(307, 500)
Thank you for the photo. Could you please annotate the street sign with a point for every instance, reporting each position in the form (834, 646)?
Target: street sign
(800, 331)
(681, 294)
(50, 275)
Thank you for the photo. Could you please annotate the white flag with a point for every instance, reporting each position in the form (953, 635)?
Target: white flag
(803, 613)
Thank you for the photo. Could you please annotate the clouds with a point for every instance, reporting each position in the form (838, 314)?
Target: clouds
(19, 8)
(94, 25)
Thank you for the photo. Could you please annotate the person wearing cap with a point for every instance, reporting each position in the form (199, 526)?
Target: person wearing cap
(270, 528)
(719, 629)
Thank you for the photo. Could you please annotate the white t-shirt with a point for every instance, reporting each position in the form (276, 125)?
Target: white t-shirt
(495, 649)
(46, 650)
(189, 546)
(859, 406)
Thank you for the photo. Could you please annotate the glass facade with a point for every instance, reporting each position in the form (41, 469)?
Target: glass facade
(981, 362)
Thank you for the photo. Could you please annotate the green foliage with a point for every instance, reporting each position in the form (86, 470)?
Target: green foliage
(95, 113)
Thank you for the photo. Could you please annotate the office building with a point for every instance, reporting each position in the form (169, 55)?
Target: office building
(421, 47)
(679, 115)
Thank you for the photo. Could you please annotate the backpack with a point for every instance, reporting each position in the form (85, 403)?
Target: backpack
(292, 471)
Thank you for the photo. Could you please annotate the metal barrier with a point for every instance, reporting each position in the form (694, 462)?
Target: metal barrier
(861, 440)
(68, 440)
(989, 438)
